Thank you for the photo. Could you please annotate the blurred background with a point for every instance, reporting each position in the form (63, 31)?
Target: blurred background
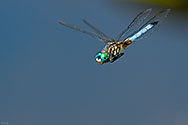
(48, 75)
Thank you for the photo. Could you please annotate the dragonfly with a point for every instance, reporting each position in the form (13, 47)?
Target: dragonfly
(114, 48)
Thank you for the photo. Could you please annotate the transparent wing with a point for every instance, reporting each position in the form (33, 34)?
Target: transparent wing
(83, 31)
(136, 22)
(98, 31)
(149, 26)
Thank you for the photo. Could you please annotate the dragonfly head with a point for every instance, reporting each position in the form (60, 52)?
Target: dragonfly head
(101, 57)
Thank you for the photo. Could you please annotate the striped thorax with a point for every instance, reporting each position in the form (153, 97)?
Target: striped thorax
(116, 48)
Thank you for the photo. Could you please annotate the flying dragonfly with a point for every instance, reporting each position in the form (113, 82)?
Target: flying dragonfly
(114, 48)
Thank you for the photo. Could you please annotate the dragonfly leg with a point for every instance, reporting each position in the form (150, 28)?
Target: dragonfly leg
(116, 57)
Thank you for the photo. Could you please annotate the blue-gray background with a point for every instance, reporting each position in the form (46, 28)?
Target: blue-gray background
(48, 75)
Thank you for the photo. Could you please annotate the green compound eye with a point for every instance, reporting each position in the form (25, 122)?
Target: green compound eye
(99, 54)
(101, 57)
(104, 57)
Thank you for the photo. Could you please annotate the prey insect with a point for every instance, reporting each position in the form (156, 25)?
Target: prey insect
(114, 48)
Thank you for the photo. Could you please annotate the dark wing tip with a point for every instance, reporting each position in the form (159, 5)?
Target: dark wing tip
(60, 22)
(84, 20)
(155, 23)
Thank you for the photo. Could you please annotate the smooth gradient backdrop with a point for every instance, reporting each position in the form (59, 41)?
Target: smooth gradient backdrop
(48, 74)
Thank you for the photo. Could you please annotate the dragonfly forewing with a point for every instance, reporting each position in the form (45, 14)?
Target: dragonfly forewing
(100, 33)
(138, 20)
(84, 31)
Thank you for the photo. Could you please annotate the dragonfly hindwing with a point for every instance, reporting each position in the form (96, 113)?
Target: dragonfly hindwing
(149, 26)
